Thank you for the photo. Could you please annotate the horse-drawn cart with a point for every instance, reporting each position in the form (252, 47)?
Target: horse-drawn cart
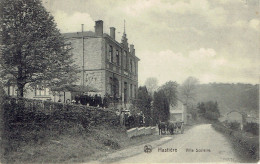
(171, 126)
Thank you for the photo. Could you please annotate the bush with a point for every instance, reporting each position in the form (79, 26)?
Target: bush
(252, 128)
(234, 125)
(111, 143)
(211, 115)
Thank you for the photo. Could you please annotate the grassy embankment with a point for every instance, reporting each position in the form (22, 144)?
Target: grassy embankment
(64, 134)
(77, 146)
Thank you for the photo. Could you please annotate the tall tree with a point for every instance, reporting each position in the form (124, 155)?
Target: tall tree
(161, 111)
(170, 90)
(188, 90)
(151, 84)
(32, 49)
(144, 103)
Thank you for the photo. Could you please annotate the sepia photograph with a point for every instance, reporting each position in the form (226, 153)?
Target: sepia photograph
(129, 81)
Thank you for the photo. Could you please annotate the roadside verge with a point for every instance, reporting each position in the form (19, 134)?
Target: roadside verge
(246, 147)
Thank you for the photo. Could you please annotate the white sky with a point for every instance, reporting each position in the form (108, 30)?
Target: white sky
(215, 41)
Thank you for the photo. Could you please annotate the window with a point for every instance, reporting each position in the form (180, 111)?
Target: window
(131, 90)
(135, 67)
(125, 59)
(125, 92)
(40, 90)
(117, 58)
(135, 91)
(12, 90)
(111, 86)
(116, 87)
(110, 54)
(131, 65)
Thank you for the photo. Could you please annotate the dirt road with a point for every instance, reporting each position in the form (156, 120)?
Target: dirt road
(200, 144)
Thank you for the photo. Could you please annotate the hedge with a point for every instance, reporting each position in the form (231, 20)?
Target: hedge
(33, 121)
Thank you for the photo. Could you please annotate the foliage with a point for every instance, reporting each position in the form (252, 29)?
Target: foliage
(252, 127)
(161, 111)
(58, 128)
(201, 107)
(144, 103)
(234, 125)
(170, 90)
(209, 110)
(188, 90)
(151, 84)
(32, 50)
(193, 113)
(29, 121)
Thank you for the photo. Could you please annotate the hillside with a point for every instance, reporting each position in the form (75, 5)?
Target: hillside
(241, 97)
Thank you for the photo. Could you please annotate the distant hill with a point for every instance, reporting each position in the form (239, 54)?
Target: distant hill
(241, 97)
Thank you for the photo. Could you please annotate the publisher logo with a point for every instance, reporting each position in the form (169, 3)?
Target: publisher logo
(147, 148)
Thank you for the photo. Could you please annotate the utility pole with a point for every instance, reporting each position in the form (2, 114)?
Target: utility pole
(124, 26)
(83, 61)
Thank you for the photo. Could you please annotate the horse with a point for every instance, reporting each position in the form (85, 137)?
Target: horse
(162, 127)
(179, 126)
(171, 127)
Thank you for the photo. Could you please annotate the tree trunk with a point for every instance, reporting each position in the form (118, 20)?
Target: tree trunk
(20, 82)
(20, 89)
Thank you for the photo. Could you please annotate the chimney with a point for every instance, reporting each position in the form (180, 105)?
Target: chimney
(99, 28)
(132, 49)
(113, 32)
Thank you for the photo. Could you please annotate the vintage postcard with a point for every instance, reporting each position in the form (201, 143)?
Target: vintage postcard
(129, 81)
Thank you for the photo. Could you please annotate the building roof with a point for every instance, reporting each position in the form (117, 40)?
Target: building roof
(79, 34)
